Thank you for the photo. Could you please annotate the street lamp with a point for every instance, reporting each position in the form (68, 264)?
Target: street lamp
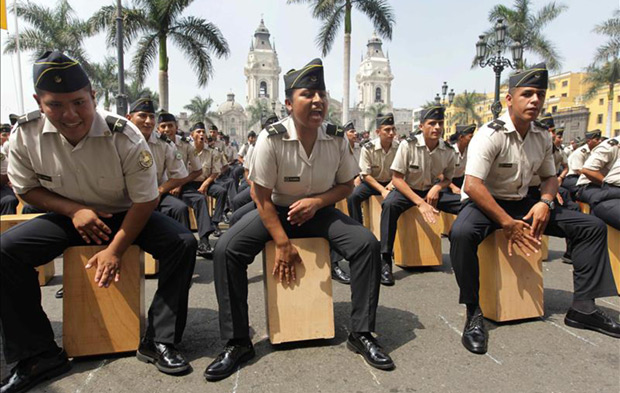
(442, 100)
(498, 62)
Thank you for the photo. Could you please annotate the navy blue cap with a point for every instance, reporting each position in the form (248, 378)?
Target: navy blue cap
(436, 112)
(537, 77)
(308, 77)
(144, 104)
(57, 73)
(385, 120)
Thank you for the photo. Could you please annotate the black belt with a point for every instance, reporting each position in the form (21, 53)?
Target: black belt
(569, 176)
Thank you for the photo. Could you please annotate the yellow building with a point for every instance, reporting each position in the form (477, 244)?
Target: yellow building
(565, 99)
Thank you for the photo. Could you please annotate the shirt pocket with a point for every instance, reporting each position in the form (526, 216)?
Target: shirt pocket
(111, 186)
(51, 182)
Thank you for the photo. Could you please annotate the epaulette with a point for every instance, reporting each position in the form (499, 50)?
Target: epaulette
(412, 138)
(185, 139)
(584, 150)
(497, 124)
(164, 138)
(217, 148)
(369, 145)
(115, 124)
(613, 142)
(276, 129)
(334, 130)
(539, 124)
(28, 117)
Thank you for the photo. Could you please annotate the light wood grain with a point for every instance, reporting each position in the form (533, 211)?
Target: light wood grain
(302, 310)
(151, 265)
(511, 287)
(613, 242)
(193, 225)
(102, 320)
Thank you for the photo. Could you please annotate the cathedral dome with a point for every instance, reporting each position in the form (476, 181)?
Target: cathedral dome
(230, 105)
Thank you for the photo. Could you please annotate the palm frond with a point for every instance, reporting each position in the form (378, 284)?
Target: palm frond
(329, 30)
(380, 13)
(146, 53)
(197, 55)
(548, 13)
(204, 32)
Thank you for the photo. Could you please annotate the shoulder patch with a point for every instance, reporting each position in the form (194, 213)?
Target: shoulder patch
(334, 130)
(184, 139)
(115, 124)
(412, 139)
(28, 117)
(613, 142)
(276, 129)
(369, 145)
(584, 150)
(497, 124)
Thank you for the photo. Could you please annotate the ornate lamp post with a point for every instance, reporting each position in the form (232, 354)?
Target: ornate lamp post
(442, 100)
(497, 61)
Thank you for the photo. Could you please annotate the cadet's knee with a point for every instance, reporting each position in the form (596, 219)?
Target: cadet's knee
(188, 240)
(462, 231)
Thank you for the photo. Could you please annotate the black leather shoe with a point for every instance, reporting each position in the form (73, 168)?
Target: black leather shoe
(366, 345)
(30, 372)
(227, 362)
(204, 250)
(166, 357)
(598, 321)
(60, 293)
(217, 232)
(387, 278)
(340, 275)
(475, 337)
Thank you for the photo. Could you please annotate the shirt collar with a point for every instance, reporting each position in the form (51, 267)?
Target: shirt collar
(153, 137)
(510, 127)
(291, 135)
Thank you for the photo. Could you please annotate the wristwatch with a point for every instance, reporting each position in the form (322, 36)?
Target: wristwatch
(550, 204)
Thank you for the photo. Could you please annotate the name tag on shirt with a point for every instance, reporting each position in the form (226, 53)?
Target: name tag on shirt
(292, 179)
(505, 165)
(44, 177)
(414, 167)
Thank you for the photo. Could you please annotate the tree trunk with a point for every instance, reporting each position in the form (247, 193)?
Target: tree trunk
(347, 63)
(610, 101)
(106, 100)
(163, 73)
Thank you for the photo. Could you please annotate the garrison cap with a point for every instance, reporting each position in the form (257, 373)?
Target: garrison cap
(385, 120)
(537, 77)
(144, 104)
(309, 77)
(593, 134)
(165, 116)
(251, 134)
(435, 112)
(13, 118)
(212, 127)
(348, 126)
(198, 126)
(57, 73)
(226, 137)
(5, 127)
(547, 120)
(268, 120)
(464, 130)
(454, 137)
(559, 131)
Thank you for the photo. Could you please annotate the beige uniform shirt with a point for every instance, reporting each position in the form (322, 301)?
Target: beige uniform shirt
(4, 158)
(210, 162)
(248, 157)
(422, 167)
(376, 162)
(577, 159)
(460, 161)
(168, 161)
(357, 152)
(106, 170)
(613, 177)
(505, 161)
(186, 148)
(244, 149)
(601, 159)
(281, 164)
(559, 158)
(230, 152)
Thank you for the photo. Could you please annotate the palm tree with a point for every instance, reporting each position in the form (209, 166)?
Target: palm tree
(526, 26)
(55, 28)
(153, 22)
(199, 108)
(136, 90)
(260, 108)
(465, 108)
(605, 69)
(332, 12)
(105, 81)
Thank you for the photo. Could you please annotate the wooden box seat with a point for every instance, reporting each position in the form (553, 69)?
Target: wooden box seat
(102, 320)
(511, 287)
(302, 310)
(613, 244)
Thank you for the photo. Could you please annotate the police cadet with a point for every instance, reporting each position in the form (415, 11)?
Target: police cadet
(94, 172)
(600, 162)
(351, 135)
(576, 160)
(171, 171)
(608, 205)
(462, 137)
(375, 160)
(167, 124)
(301, 167)
(420, 162)
(211, 166)
(8, 200)
(502, 157)
(241, 156)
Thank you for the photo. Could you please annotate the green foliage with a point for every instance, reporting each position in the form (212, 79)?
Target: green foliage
(605, 68)
(256, 111)
(199, 109)
(465, 108)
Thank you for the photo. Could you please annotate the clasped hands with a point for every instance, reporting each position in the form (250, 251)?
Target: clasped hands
(527, 237)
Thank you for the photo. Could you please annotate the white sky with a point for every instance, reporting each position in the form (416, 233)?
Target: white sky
(433, 41)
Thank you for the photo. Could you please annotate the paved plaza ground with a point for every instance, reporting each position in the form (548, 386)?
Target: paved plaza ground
(419, 322)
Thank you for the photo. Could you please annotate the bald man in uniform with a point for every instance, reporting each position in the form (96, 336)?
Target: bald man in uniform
(502, 158)
(95, 173)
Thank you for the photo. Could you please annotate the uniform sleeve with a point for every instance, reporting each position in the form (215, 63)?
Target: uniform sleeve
(575, 161)
(248, 158)
(192, 158)
(175, 168)
(347, 168)
(365, 163)
(20, 171)
(243, 150)
(140, 179)
(263, 169)
(547, 166)
(481, 154)
(448, 173)
(598, 159)
(4, 158)
(400, 163)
